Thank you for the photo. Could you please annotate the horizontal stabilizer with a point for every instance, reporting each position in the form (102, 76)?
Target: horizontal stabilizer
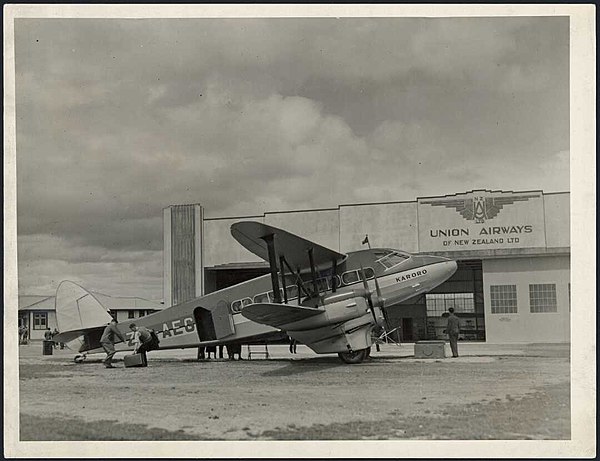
(278, 315)
(295, 249)
(69, 336)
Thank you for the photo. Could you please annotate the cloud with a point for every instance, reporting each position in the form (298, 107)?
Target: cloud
(117, 119)
(44, 261)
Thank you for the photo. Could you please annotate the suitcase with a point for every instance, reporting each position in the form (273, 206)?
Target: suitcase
(134, 360)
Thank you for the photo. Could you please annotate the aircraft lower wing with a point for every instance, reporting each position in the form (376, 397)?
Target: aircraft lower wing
(278, 315)
(314, 327)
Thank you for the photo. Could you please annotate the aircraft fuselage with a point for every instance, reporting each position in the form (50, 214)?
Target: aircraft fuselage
(216, 318)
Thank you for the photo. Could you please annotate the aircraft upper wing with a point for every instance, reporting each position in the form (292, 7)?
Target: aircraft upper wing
(278, 315)
(293, 248)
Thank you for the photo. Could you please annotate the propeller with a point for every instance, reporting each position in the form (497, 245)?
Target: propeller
(368, 292)
(369, 297)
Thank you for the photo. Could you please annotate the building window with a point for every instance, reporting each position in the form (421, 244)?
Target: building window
(40, 320)
(542, 297)
(438, 303)
(504, 299)
(130, 314)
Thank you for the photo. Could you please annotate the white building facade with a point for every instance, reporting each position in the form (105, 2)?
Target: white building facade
(513, 251)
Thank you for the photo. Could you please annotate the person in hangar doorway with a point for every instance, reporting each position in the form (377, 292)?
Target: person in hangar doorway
(453, 329)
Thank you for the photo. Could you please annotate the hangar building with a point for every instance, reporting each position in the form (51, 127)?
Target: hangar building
(512, 248)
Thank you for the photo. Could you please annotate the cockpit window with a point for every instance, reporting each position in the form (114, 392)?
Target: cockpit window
(392, 259)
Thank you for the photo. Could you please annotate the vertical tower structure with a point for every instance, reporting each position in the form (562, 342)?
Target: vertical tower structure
(183, 265)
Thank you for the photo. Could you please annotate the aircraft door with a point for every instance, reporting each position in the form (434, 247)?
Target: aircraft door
(223, 320)
(214, 324)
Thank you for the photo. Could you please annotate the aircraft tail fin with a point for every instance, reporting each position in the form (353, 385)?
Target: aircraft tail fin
(77, 312)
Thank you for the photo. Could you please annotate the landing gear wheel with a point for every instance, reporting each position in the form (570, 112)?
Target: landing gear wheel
(354, 357)
(79, 358)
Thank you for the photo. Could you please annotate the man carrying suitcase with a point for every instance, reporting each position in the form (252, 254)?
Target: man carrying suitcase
(142, 340)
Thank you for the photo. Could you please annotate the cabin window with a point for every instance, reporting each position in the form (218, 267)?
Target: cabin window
(246, 301)
(350, 277)
(392, 259)
(272, 295)
(337, 281)
(40, 320)
(261, 298)
(322, 285)
(292, 291)
(238, 305)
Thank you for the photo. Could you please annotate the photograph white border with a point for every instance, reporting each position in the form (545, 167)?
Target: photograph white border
(583, 245)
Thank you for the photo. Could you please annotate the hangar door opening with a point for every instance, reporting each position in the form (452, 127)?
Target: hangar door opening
(226, 275)
(425, 316)
(464, 292)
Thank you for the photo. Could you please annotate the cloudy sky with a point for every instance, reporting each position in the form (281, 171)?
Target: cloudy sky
(117, 119)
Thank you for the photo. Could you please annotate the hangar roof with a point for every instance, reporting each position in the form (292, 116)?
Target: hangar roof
(47, 303)
(31, 302)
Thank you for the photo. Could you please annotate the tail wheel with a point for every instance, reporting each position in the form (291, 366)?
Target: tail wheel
(354, 357)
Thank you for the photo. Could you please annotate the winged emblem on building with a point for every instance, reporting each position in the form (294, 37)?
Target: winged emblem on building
(479, 208)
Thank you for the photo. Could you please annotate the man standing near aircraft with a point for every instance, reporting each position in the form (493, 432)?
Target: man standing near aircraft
(453, 328)
(108, 341)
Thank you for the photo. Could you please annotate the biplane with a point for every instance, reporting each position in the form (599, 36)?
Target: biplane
(330, 301)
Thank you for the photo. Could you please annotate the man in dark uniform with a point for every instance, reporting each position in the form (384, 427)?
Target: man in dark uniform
(108, 341)
(453, 329)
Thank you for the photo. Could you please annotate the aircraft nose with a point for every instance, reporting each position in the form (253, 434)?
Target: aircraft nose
(447, 267)
(451, 266)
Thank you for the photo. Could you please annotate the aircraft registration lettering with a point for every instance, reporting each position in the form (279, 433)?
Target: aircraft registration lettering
(412, 275)
(189, 324)
(176, 327)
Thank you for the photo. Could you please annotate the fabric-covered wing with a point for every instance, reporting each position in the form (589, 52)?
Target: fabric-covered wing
(278, 315)
(295, 249)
